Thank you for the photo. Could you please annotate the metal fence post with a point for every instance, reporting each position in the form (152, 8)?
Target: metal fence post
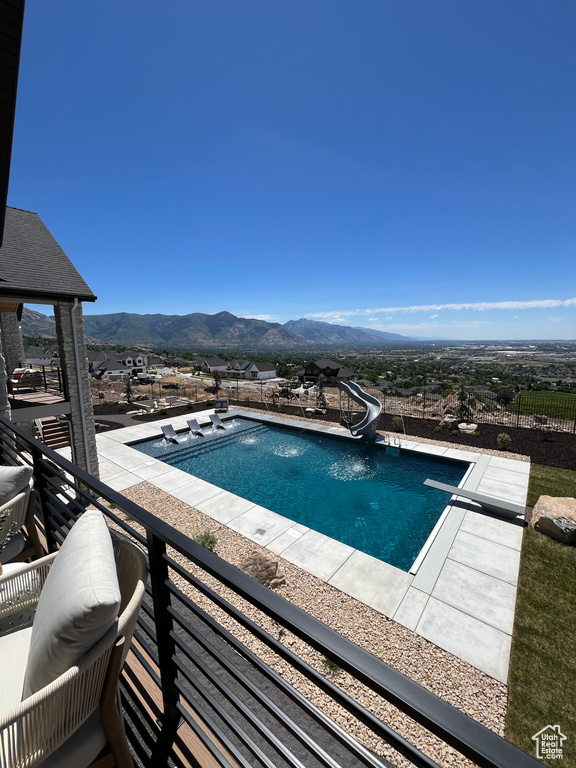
(518, 409)
(164, 625)
(40, 487)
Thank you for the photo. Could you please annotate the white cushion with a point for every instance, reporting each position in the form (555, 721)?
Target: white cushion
(78, 604)
(14, 653)
(13, 480)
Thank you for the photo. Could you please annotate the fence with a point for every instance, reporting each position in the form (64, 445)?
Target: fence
(528, 409)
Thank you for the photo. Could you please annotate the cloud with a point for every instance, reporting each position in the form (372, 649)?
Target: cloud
(552, 319)
(372, 319)
(339, 316)
(433, 316)
(268, 318)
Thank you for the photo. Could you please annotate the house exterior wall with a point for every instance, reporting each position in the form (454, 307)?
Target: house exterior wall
(73, 359)
(12, 345)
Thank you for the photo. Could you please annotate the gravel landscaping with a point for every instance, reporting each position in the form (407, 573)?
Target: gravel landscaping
(455, 681)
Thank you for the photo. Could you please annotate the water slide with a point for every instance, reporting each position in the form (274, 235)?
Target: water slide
(367, 427)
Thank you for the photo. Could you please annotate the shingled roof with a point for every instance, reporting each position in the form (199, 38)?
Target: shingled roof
(32, 264)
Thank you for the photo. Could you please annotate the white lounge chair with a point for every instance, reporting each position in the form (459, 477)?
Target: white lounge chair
(216, 421)
(58, 698)
(170, 434)
(194, 427)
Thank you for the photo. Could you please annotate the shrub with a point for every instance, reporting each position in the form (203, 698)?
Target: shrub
(121, 406)
(330, 666)
(438, 429)
(163, 412)
(189, 406)
(504, 441)
(207, 540)
(456, 432)
(397, 424)
(476, 434)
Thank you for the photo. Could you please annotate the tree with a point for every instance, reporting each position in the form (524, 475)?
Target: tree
(321, 401)
(217, 377)
(128, 391)
(463, 411)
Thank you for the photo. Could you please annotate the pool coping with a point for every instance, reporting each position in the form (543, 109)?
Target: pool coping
(461, 591)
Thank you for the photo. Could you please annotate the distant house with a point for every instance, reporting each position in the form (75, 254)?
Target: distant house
(117, 364)
(211, 364)
(237, 369)
(333, 372)
(38, 356)
(261, 371)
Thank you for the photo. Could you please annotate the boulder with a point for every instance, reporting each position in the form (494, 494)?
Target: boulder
(555, 517)
(540, 419)
(467, 427)
(449, 422)
(264, 569)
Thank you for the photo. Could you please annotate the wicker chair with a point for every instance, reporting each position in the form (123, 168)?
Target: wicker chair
(14, 516)
(68, 721)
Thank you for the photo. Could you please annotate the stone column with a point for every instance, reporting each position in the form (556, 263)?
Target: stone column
(12, 345)
(5, 409)
(74, 368)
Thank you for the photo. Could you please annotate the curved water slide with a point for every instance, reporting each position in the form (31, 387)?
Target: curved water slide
(367, 427)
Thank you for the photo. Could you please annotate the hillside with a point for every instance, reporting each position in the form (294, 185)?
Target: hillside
(328, 334)
(198, 330)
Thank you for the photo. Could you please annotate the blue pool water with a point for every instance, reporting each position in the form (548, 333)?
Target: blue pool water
(367, 496)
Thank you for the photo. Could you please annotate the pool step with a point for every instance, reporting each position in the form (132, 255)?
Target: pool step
(211, 442)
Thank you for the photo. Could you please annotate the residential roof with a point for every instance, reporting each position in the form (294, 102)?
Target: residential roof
(327, 364)
(32, 264)
(262, 367)
(212, 361)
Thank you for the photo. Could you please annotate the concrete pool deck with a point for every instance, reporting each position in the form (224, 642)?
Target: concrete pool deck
(461, 593)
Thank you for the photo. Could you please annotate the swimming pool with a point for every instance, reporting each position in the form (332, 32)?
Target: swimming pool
(367, 496)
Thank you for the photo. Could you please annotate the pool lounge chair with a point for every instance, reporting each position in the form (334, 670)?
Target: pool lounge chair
(194, 427)
(216, 421)
(170, 434)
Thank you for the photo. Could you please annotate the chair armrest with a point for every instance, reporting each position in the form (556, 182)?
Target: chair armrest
(21, 590)
(40, 724)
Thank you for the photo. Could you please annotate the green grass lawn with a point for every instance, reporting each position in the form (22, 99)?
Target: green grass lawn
(550, 481)
(542, 678)
(556, 405)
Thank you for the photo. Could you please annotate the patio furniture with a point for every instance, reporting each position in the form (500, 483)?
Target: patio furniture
(24, 378)
(170, 434)
(221, 405)
(58, 700)
(216, 421)
(194, 427)
(18, 535)
(497, 507)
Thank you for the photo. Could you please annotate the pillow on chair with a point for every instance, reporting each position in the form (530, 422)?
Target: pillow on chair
(13, 480)
(78, 603)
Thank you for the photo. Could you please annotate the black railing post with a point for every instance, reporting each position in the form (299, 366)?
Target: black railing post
(40, 486)
(518, 409)
(166, 647)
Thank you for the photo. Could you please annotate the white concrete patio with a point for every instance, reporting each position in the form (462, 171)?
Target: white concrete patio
(461, 592)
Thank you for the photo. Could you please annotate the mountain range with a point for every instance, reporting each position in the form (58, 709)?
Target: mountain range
(198, 330)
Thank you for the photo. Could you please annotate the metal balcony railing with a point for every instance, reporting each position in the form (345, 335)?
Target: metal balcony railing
(214, 678)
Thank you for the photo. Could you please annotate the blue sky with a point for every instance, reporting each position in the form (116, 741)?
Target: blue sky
(409, 166)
